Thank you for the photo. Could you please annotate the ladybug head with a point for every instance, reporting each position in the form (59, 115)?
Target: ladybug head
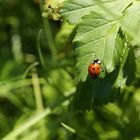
(97, 61)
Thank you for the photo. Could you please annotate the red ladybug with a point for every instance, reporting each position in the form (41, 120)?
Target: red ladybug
(94, 68)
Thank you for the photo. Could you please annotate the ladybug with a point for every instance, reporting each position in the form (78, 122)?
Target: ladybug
(94, 68)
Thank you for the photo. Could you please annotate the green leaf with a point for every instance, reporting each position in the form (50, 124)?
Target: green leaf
(126, 75)
(97, 38)
(137, 61)
(74, 10)
(131, 22)
(83, 98)
(120, 80)
(130, 68)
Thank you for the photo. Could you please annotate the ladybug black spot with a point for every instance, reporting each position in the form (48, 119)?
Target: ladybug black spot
(93, 68)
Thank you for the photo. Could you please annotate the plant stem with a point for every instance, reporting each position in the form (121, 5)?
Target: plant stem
(39, 48)
(37, 92)
(48, 33)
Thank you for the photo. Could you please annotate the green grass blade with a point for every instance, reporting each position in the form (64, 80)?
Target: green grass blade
(27, 124)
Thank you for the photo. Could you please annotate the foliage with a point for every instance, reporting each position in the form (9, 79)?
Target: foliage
(107, 31)
(44, 95)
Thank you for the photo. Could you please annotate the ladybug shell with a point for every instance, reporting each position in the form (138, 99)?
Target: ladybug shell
(94, 69)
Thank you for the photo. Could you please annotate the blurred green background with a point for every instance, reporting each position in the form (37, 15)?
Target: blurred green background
(35, 90)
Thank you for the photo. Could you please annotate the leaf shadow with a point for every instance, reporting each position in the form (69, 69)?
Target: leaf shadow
(130, 68)
(95, 92)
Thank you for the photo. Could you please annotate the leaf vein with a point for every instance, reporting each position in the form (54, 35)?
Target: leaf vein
(102, 37)
(85, 7)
